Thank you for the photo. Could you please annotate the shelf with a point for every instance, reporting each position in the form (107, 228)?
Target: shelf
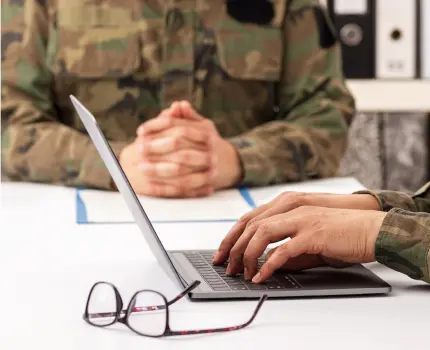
(391, 95)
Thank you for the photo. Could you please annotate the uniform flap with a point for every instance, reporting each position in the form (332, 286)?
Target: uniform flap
(249, 51)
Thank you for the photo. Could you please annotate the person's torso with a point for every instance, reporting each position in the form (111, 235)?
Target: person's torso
(128, 60)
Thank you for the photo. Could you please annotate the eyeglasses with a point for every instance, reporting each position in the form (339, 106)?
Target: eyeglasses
(147, 313)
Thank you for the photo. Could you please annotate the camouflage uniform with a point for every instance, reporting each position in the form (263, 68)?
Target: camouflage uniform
(403, 243)
(275, 89)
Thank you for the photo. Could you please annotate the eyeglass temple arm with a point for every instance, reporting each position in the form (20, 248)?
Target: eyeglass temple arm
(192, 286)
(148, 308)
(225, 329)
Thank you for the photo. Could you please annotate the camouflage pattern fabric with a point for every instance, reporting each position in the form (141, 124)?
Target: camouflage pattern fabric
(403, 243)
(274, 89)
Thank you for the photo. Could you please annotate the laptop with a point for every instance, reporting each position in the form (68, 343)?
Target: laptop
(186, 266)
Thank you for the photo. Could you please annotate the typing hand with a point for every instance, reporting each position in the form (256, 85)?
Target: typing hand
(183, 149)
(286, 202)
(318, 236)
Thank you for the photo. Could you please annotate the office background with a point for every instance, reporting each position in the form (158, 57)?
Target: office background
(386, 40)
(385, 146)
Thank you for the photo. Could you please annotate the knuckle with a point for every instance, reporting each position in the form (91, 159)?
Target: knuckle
(182, 132)
(245, 219)
(180, 169)
(176, 140)
(208, 124)
(304, 209)
(296, 199)
(183, 182)
(248, 256)
(185, 156)
(234, 253)
(175, 169)
(253, 225)
(264, 229)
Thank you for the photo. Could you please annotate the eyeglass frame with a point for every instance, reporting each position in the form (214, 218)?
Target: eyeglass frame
(167, 330)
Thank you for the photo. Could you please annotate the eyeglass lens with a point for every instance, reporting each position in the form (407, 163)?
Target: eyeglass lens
(148, 314)
(102, 305)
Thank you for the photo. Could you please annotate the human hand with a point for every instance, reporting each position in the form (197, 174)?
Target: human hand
(319, 236)
(131, 158)
(180, 142)
(286, 202)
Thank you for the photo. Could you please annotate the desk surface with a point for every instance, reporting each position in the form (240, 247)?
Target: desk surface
(48, 264)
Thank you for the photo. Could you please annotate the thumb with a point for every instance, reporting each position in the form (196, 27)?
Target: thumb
(300, 262)
(279, 256)
(188, 111)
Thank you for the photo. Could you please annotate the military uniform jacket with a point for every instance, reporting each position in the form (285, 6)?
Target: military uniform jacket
(273, 86)
(403, 243)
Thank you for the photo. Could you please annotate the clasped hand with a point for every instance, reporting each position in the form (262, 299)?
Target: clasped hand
(179, 154)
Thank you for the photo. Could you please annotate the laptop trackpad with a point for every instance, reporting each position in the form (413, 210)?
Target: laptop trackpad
(356, 276)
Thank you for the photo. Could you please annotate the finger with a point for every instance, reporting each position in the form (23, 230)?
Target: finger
(164, 114)
(299, 263)
(192, 159)
(155, 189)
(187, 111)
(235, 264)
(199, 192)
(221, 255)
(164, 169)
(188, 139)
(281, 204)
(188, 182)
(269, 231)
(162, 122)
(290, 249)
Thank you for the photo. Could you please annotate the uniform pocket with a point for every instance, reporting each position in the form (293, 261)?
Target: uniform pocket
(93, 42)
(248, 51)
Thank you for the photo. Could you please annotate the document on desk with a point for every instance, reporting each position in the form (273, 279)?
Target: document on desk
(95, 206)
(340, 185)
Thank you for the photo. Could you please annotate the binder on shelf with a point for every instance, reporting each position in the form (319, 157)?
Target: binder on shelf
(355, 24)
(396, 39)
(425, 39)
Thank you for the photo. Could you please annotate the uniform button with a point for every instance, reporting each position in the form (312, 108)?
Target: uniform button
(175, 19)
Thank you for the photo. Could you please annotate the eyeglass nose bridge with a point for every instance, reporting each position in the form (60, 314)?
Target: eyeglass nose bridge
(122, 319)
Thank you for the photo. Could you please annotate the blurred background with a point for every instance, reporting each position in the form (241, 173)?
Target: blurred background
(387, 42)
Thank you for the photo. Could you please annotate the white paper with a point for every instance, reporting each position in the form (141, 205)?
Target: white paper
(341, 185)
(103, 206)
(350, 7)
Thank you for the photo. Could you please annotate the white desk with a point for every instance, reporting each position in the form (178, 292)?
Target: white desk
(48, 264)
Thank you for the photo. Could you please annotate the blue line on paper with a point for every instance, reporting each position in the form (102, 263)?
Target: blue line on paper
(247, 197)
(81, 210)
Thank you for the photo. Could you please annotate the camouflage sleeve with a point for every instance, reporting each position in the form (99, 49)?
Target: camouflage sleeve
(308, 137)
(403, 243)
(36, 146)
(417, 202)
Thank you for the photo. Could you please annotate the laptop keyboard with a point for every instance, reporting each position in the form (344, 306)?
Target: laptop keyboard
(215, 276)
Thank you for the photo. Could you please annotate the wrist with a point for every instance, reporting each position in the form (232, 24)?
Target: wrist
(229, 166)
(372, 235)
(367, 202)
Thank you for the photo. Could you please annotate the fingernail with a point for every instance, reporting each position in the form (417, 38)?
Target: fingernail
(256, 278)
(229, 268)
(246, 274)
(215, 257)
